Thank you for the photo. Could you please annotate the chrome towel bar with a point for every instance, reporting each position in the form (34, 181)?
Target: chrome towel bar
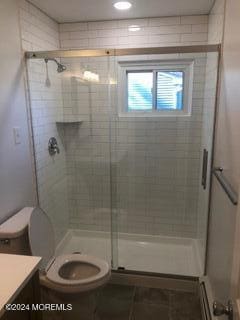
(232, 195)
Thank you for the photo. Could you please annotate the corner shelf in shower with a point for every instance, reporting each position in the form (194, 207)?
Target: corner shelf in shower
(68, 122)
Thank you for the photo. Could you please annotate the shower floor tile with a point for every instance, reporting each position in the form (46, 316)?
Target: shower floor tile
(138, 252)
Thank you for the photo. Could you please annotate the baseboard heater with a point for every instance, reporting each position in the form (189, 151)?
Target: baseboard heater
(206, 314)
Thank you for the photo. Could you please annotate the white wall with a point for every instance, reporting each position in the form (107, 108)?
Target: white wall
(16, 170)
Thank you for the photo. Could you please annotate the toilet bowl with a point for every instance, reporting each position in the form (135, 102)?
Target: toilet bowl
(70, 273)
(74, 273)
(65, 273)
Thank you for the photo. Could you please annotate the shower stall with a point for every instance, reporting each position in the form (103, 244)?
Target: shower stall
(123, 143)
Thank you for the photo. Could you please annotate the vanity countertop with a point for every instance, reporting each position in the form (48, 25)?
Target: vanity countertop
(15, 272)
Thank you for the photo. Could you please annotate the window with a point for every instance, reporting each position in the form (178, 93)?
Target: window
(169, 91)
(140, 85)
(155, 89)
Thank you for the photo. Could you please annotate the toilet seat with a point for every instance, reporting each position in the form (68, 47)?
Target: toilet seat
(66, 273)
(101, 268)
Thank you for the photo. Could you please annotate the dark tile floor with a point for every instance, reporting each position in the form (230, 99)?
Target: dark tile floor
(118, 302)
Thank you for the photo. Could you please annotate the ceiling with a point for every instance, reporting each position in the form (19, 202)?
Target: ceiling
(94, 10)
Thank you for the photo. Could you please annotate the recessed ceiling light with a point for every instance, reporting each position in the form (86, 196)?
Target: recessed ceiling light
(134, 28)
(122, 5)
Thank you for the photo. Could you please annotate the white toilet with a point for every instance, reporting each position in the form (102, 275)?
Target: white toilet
(71, 273)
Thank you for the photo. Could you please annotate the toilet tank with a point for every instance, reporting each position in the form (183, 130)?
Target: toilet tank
(14, 233)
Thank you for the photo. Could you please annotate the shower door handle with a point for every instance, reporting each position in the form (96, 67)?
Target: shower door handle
(204, 168)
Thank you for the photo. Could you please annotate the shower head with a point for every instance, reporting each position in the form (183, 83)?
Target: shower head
(60, 67)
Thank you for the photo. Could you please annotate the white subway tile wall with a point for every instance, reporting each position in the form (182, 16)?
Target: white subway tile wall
(155, 32)
(87, 144)
(216, 22)
(39, 32)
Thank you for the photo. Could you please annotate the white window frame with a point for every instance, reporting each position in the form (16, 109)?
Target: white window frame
(184, 65)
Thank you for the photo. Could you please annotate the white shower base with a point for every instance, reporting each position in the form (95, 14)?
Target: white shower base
(178, 256)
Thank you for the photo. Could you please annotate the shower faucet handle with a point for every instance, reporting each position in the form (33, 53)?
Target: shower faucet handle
(53, 146)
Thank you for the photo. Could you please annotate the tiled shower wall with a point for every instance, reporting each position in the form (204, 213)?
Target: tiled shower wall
(87, 144)
(155, 32)
(216, 22)
(39, 32)
(156, 161)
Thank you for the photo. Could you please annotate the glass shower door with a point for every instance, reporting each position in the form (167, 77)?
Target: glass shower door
(74, 186)
(90, 157)
(163, 119)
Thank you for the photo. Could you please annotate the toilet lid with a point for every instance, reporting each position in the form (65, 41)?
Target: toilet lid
(41, 236)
